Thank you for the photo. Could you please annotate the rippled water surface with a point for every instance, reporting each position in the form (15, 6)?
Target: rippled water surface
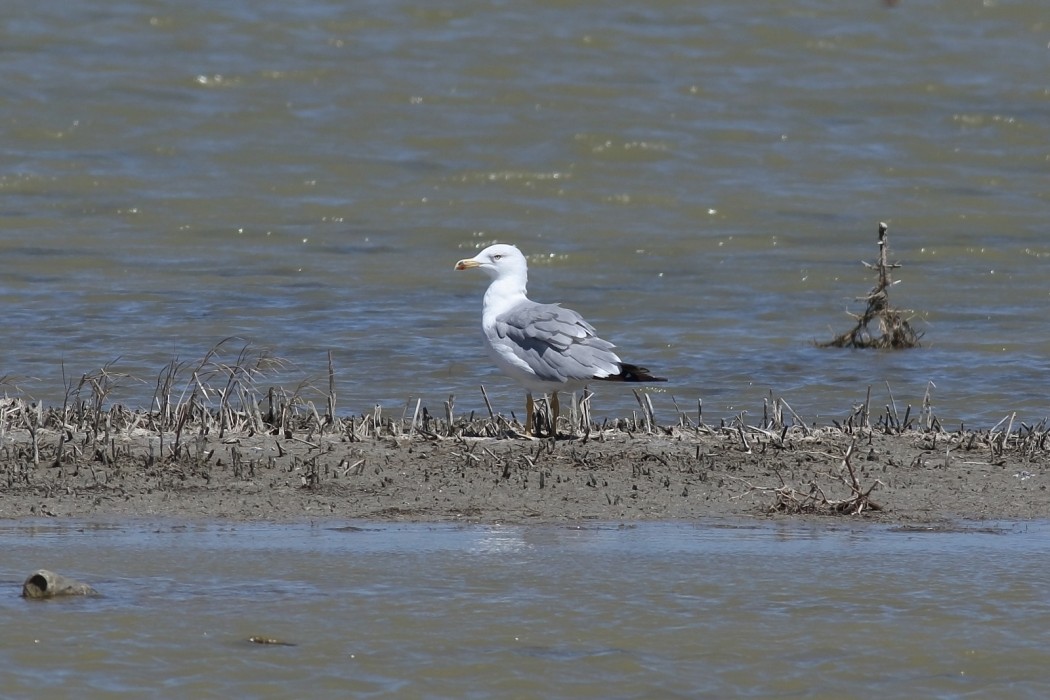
(700, 180)
(706, 610)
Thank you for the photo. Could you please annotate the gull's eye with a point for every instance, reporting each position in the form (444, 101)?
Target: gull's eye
(497, 257)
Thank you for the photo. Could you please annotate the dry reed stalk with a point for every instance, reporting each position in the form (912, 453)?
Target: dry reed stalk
(485, 395)
(772, 416)
(926, 417)
(683, 420)
(330, 415)
(5, 410)
(415, 417)
(450, 406)
(795, 417)
(893, 404)
(377, 420)
(585, 412)
(166, 379)
(31, 419)
(647, 410)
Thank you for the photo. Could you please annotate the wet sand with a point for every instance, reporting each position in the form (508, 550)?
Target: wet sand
(677, 473)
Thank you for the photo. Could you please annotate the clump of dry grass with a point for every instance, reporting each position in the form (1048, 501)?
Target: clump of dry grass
(894, 330)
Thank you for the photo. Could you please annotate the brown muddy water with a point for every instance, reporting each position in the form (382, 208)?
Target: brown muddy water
(714, 609)
(700, 180)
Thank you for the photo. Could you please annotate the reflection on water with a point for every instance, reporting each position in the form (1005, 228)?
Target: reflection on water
(700, 180)
(712, 609)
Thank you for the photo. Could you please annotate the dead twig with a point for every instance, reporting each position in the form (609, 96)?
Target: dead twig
(813, 499)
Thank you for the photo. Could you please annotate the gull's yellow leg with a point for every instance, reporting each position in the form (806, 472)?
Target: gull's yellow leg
(528, 413)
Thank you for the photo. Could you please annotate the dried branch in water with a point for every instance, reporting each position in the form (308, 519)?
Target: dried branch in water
(894, 330)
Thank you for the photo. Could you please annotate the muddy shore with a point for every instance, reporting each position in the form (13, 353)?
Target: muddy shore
(673, 473)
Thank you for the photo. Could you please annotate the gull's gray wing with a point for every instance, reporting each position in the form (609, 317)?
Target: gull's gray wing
(556, 343)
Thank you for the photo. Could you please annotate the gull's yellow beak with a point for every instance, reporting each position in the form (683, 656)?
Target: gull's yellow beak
(467, 264)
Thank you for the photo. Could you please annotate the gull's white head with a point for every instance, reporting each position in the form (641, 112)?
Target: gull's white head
(500, 261)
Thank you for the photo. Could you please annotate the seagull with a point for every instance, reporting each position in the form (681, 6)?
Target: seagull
(544, 347)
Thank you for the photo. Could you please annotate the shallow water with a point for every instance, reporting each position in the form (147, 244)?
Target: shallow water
(700, 180)
(711, 609)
